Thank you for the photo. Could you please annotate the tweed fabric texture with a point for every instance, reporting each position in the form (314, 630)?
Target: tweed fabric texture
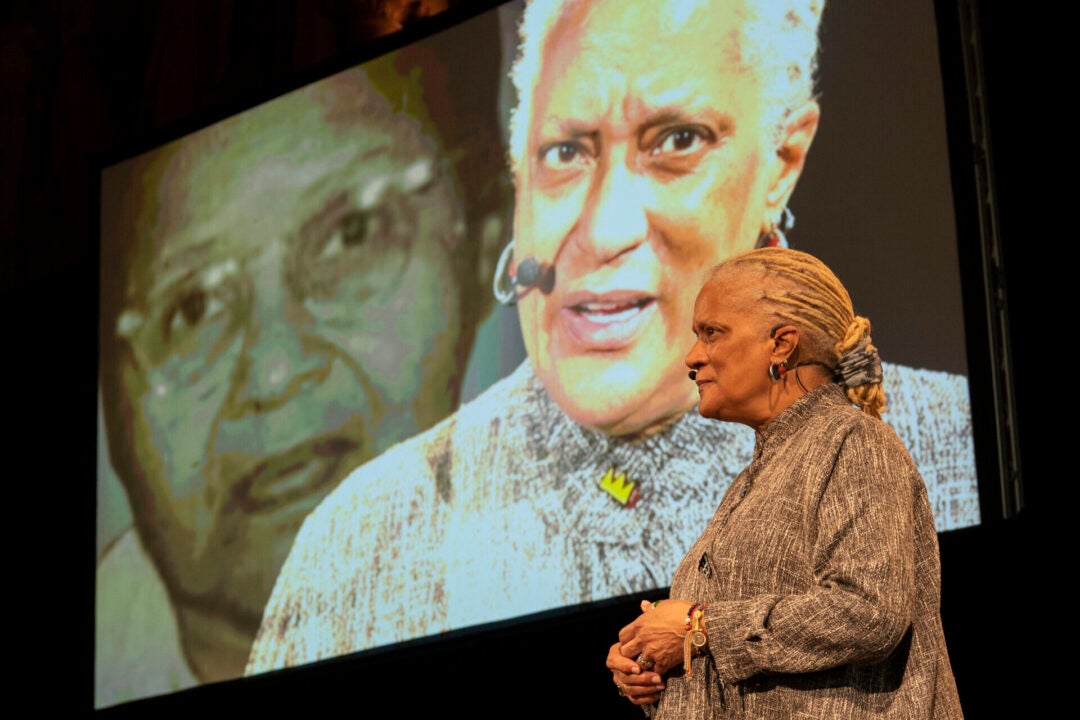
(822, 579)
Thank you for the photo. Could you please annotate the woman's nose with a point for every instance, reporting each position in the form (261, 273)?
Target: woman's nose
(617, 217)
(280, 353)
(695, 359)
(278, 362)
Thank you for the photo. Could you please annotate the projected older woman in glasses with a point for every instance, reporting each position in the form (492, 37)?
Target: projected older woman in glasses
(285, 294)
(652, 140)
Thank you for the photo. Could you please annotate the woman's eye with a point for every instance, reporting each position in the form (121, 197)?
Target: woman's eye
(346, 254)
(192, 306)
(562, 154)
(353, 230)
(190, 310)
(680, 141)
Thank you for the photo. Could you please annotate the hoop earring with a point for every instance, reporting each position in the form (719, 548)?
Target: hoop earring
(776, 234)
(777, 371)
(503, 286)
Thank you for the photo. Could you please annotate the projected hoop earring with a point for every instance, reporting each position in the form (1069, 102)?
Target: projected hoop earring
(503, 286)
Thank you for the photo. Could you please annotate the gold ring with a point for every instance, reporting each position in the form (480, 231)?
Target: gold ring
(644, 662)
(622, 692)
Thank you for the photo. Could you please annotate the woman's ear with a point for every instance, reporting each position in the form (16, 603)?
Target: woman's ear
(791, 155)
(785, 340)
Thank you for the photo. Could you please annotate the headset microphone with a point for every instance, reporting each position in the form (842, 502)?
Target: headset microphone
(531, 273)
(528, 272)
(534, 274)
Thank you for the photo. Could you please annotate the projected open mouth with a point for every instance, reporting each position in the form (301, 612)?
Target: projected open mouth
(609, 321)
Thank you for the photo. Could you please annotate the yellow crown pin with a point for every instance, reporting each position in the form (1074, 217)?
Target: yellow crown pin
(616, 485)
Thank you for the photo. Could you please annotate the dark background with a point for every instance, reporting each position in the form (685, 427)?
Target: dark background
(81, 79)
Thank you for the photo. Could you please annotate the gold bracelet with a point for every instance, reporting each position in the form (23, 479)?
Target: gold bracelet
(695, 636)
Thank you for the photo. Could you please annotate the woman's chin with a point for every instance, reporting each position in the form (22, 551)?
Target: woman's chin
(618, 400)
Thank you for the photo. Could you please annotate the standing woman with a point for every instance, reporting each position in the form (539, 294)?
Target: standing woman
(814, 590)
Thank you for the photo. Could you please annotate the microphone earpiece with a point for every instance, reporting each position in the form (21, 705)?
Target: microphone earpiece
(531, 273)
(693, 374)
(528, 272)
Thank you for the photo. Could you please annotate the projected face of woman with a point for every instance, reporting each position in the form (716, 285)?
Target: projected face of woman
(648, 160)
(293, 311)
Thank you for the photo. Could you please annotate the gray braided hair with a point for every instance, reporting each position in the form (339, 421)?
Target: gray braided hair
(806, 293)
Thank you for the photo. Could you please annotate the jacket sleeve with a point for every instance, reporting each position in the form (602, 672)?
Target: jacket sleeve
(858, 542)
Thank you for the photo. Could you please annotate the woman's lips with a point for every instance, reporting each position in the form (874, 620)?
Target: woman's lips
(295, 477)
(610, 321)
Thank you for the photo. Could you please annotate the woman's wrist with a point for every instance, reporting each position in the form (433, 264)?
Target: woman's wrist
(695, 639)
(699, 637)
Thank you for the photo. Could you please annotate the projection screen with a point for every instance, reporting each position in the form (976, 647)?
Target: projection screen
(298, 311)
